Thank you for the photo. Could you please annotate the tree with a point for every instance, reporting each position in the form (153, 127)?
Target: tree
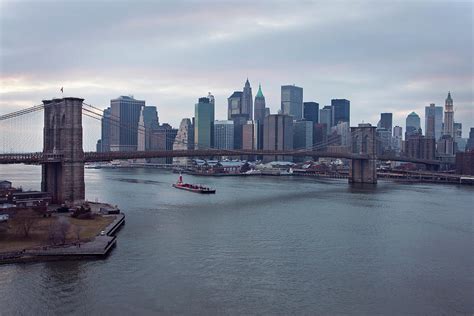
(24, 221)
(58, 231)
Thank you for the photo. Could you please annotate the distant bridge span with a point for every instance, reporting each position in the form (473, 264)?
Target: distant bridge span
(40, 157)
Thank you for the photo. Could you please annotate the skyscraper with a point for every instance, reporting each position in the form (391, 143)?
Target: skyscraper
(163, 138)
(341, 111)
(457, 128)
(259, 106)
(433, 121)
(278, 135)
(224, 134)
(105, 131)
(234, 104)
(311, 111)
(125, 114)
(303, 134)
(204, 123)
(184, 141)
(292, 101)
(325, 117)
(449, 117)
(386, 121)
(412, 125)
(397, 141)
(247, 100)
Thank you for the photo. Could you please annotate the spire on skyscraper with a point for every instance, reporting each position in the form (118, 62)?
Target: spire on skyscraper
(259, 92)
(449, 97)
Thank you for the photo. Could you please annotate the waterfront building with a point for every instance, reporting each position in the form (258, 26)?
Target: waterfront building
(125, 114)
(163, 138)
(302, 136)
(259, 106)
(239, 121)
(397, 140)
(224, 134)
(103, 145)
(449, 117)
(386, 121)
(184, 140)
(420, 147)
(247, 101)
(343, 130)
(204, 123)
(457, 127)
(234, 104)
(470, 141)
(278, 135)
(433, 121)
(325, 117)
(311, 111)
(412, 125)
(292, 101)
(320, 136)
(384, 141)
(340, 111)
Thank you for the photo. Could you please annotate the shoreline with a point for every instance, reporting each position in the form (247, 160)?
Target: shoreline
(98, 248)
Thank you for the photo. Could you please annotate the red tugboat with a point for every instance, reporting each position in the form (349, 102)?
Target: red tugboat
(192, 187)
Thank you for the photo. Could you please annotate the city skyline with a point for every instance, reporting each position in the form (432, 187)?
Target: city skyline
(170, 74)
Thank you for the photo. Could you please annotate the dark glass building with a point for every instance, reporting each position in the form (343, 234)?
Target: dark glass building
(278, 135)
(340, 111)
(125, 115)
(311, 111)
(292, 101)
(386, 121)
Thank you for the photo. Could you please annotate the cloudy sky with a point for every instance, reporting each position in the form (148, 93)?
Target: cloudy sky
(384, 56)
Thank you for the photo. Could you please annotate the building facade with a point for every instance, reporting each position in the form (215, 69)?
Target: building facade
(247, 101)
(292, 101)
(184, 140)
(449, 117)
(259, 113)
(386, 121)
(433, 121)
(278, 135)
(204, 123)
(311, 111)
(325, 117)
(234, 104)
(340, 111)
(224, 134)
(125, 114)
(412, 125)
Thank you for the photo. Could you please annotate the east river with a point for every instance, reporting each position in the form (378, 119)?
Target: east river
(261, 245)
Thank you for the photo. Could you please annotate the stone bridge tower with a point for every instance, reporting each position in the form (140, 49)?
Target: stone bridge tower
(62, 135)
(363, 170)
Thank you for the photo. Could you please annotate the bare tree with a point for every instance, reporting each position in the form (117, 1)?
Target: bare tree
(25, 221)
(58, 231)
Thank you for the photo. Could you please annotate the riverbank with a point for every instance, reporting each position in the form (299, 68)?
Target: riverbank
(96, 247)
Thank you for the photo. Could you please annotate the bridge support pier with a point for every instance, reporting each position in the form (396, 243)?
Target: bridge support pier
(62, 135)
(363, 143)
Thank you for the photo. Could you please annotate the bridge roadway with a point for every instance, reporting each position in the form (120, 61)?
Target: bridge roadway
(40, 157)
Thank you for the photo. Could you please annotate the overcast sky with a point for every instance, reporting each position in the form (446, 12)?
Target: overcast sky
(384, 56)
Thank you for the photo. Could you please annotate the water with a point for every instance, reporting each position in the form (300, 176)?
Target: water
(260, 246)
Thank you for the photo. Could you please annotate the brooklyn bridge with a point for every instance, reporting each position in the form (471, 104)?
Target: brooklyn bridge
(63, 158)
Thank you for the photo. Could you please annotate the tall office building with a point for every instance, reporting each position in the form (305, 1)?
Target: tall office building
(259, 105)
(234, 104)
(277, 135)
(204, 123)
(457, 127)
(150, 123)
(184, 140)
(303, 134)
(433, 121)
(397, 140)
(320, 136)
(250, 135)
(449, 117)
(104, 143)
(412, 125)
(470, 141)
(386, 121)
(311, 111)
(343, 130)
(292, 101)
(239, 121)
(125, 114)
(325, 117)
(163, 138)
(340, 111)
(420, 147)
(247, 100)
(224, 134)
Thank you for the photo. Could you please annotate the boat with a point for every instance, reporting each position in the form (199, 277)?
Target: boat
(192, 187)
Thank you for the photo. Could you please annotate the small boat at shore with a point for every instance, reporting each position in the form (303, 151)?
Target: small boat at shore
(196, 188)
